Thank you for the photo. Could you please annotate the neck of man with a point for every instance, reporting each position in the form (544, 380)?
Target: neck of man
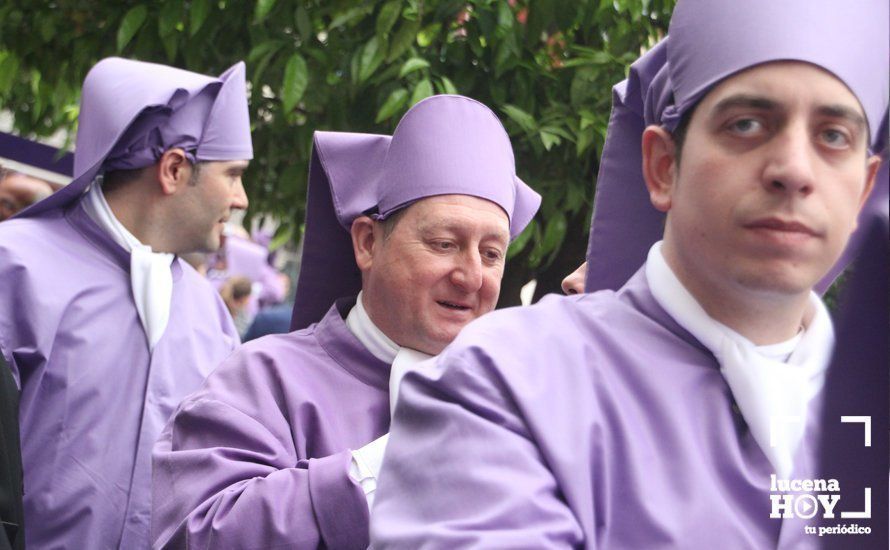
(763, 317)
(138, 212)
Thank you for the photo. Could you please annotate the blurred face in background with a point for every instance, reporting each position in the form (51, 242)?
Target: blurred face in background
(18, 191)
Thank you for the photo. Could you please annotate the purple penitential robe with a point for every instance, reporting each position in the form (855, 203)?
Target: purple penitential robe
(262, 450)
(590, 421)
(94, 399)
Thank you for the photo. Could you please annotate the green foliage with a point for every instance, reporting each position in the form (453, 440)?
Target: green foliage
(545, 67)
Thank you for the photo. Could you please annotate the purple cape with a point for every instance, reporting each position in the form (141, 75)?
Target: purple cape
(591, 421)
(94, 400)
(259, 456)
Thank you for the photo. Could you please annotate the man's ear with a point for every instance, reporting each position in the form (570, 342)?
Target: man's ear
(659, 166)
(174, 170)
(873, 165)
(363, 241)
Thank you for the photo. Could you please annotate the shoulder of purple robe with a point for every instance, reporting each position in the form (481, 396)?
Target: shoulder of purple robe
(523, 393)
(236, 466)
(462, 468)
(32, 253)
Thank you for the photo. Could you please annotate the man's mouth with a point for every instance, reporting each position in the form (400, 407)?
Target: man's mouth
(453, 305)
(784, 226)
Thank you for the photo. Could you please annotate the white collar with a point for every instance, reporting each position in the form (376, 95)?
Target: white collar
(151, 280)
(401, 359)
(773, 395)
(361, 325)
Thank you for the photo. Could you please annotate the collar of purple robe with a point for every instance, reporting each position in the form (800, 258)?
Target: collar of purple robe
(132, 111)
(708, 41)
(444, 145)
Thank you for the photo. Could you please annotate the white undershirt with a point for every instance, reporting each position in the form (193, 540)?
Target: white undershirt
(365, 465)
(774, 382)
(150, 277)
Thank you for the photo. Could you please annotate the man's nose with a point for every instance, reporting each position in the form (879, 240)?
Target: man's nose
(467, 274)
(239, 198)
(790, 165)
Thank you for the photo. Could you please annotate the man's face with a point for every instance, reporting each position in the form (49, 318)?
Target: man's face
(208, 203)
(439, 269)
(773, 174)
(18, 191)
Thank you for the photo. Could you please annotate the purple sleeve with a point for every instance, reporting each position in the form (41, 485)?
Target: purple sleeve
(463, 470)
(226, 479)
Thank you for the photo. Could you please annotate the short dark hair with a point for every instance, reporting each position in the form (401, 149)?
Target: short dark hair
(196, 172)
(389, 224)
(118, 178)
(679, 133)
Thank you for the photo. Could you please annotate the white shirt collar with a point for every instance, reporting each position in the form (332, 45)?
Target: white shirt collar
(151, 280)
(773, 395)
(361, 325)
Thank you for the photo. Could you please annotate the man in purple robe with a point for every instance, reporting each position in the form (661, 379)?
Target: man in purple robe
(658, 415)
(282, 445)
(104, 327)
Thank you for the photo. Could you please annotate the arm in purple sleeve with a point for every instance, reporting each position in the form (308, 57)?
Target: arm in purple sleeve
(229, 475)
(462, 469)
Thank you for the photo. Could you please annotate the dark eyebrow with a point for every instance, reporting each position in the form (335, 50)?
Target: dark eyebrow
(844, 112)
(745, 100)
(238, 170)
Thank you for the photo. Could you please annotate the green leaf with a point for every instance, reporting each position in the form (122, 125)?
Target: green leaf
(349, 16)
(263, 48)
(262, 9)
(170, 14)
(413, 64)
(283, 235)
(448, 86)
(393, 104)
(554, 233)
(426, 36)
(372, 57)
(130, 25)
(304, 25)
(198, 11)
(402, 40)
(549, 139)
(522, 239)
(423, 90)
(170, 48)
(296, 77)
(47, 29)
(520, 117)
(389, 13)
